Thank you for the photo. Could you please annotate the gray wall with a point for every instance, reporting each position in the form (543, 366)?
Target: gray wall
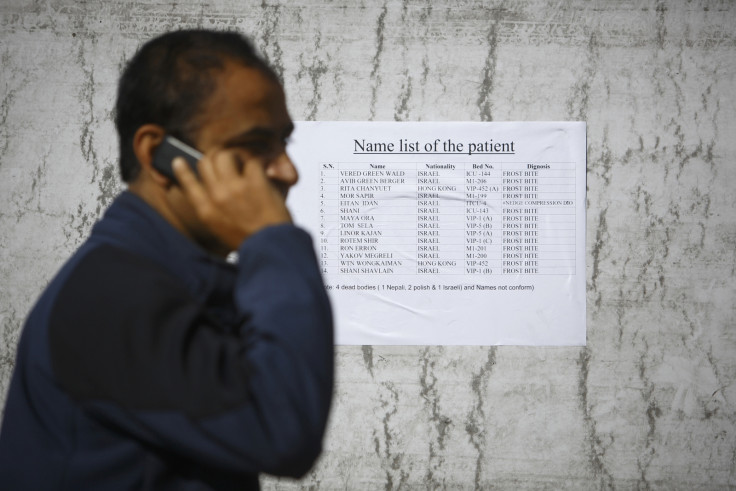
(649, 403)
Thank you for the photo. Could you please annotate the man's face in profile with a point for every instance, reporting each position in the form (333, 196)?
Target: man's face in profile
(246, 114)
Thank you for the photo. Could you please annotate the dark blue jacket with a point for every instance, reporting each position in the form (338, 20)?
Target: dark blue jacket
(149, 364)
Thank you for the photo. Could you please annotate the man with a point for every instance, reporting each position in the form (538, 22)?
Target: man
(150, 362)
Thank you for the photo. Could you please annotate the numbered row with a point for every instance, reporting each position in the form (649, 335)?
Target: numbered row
(448, 190)
(460, 214)
(406, 241)
(454, 255)
(459, 178)
(459, 268)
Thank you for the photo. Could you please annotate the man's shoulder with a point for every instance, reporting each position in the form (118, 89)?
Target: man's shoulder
(101, 261)
(106, 318)
(100, 271)
(94, 270)
(104, 278)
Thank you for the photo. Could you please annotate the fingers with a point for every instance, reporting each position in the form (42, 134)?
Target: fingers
(228, 165)
(254, 171)
(206, 172)
(231, 202)
(188, 181)
(221, 166)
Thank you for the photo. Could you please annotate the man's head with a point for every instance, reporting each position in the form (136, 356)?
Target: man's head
(210, 90)
(168, 82)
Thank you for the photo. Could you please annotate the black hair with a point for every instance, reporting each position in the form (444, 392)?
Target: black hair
(169, 79)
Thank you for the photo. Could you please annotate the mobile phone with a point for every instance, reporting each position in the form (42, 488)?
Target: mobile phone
(171, 148)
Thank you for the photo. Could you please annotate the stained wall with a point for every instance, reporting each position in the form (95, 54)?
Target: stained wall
(650, 402)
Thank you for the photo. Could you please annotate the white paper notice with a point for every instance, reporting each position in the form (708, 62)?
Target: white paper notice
(447, 233)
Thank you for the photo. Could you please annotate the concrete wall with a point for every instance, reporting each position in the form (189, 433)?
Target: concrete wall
(649, 403)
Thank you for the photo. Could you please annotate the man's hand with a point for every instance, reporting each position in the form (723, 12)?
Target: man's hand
(233, 203)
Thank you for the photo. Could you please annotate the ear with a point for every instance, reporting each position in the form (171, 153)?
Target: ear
(145, 141)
